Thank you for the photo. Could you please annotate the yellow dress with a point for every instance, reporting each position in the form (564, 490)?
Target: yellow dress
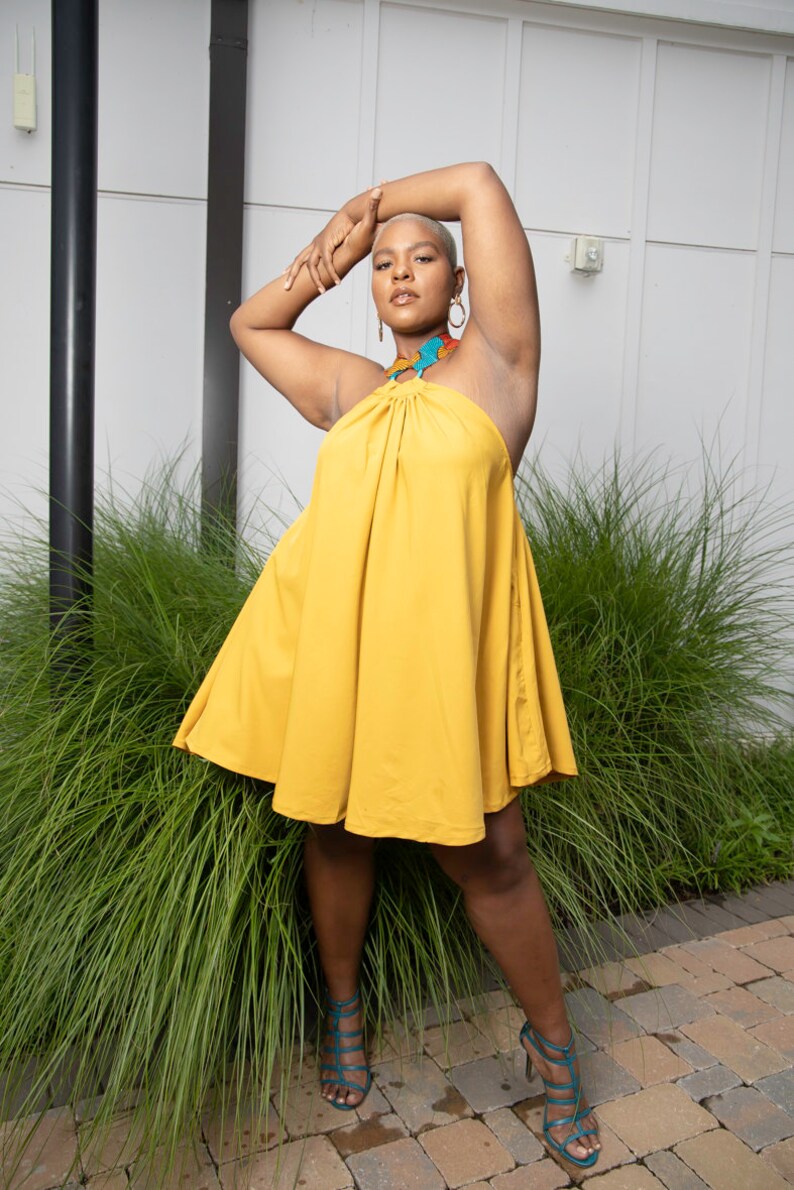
(392, 665)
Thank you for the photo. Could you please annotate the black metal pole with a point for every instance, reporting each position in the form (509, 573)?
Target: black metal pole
(225, 174)
(72, 308)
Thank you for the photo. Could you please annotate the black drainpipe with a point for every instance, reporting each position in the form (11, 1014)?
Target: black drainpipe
(72, 310)
(225, 173)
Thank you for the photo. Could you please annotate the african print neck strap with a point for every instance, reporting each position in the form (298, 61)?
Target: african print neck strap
(429, 353)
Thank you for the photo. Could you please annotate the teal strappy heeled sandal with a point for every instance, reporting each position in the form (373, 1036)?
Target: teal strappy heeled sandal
(338, 1009)
(574, 1087)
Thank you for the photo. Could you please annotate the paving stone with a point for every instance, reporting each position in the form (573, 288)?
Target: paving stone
(500, 1027)
(375, 1104)
(485, 1002)
(598, 1019)
(657, 1117)
(672, 925)
(643, 932)
(781, 1158)
(115, 1180)
(420, 1095)
(701, 924)
(723, 1161)
(657, 970)
(695, 1055)
(297, 1066)
(742, 1006)
(665, 1008)
(768, 899)
(751, 1116)
(49, 1157)
(734, 1047)
(780, 1089)
(740, 906)
(15, 1087)
(113, 1146)
(615, 979)
(778, 1033)
(737, 965)
(459, 1042)
(401, 1165)
(649, 1061)
(776, 991)
(193, 1170)
(746, 935)
(690, 962)
(604, 1079)
(718, 918)
(464, 1151)
(367, 1134)
(228, 1140)
(543, 1175)
(490, 1083)
(307, 1113)
(713, 1081)
(313, 1162)
(432, 1016)
(514, 1135)
(672, 1173)
(627, 1177)
(394, 1044)
(775, 953)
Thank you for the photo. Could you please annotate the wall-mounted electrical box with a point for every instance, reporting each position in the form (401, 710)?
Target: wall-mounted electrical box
(25, 89)
(586, 254)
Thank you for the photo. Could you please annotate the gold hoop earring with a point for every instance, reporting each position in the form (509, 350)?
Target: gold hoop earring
(380, 328)
(457, 302)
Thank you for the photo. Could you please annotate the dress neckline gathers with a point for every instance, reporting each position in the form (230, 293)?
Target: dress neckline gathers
(394, 388)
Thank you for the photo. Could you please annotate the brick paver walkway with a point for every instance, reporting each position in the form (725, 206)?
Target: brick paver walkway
(686, 1053)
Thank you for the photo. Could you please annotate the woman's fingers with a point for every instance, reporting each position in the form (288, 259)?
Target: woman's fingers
(293, 269)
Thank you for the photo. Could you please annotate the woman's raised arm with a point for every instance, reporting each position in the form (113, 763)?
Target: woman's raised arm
(305, 372)
(502, 292)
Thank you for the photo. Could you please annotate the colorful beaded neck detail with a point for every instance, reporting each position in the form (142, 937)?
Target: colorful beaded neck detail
(429, 353)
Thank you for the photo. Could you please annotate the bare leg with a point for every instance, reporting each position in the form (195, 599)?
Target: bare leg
(506, 907)
(340, 878)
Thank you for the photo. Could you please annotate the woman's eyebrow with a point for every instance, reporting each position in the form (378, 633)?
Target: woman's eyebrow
(411, 247)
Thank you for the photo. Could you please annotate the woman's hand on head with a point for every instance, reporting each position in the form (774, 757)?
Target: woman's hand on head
(356, 237)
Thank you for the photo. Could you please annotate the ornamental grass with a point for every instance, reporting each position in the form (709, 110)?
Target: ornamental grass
(155, 938)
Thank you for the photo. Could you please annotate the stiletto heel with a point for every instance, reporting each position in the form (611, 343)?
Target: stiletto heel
(574, 1087)
(337, 1010)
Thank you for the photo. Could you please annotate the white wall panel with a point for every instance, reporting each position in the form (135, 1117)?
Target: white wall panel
(707, 150)
(25, 156)
(278, 447)
(783, 240)
(150, 320)
(440, 90)
(25, 354)
(304, 78)
(577, 130)
(582, 327)
(694, 350)
(776, 452)
(154, 96)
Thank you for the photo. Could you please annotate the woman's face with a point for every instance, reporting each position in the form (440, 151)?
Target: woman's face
(412, 281)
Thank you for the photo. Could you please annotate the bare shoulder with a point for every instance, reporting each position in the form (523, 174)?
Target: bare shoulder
(359, 377)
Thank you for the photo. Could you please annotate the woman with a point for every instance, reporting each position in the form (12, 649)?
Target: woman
(391, 670)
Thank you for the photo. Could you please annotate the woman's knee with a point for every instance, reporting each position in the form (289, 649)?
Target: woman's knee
(333, 841)
(500, 863)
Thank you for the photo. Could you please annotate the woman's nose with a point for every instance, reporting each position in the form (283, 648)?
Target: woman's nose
(401, 270)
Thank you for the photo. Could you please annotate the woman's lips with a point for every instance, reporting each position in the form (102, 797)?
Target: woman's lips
(402, 299)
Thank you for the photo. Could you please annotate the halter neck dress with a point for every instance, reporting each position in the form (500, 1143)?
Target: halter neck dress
(392, 665)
